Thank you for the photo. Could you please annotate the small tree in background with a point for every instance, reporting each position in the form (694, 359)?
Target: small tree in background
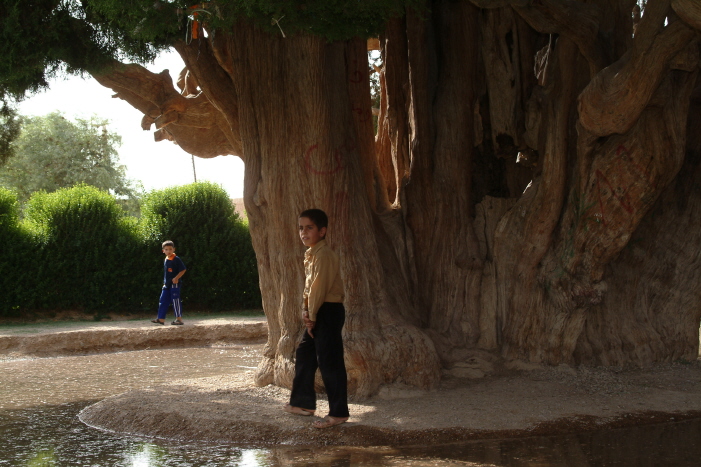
(10, 124)
(52, 152)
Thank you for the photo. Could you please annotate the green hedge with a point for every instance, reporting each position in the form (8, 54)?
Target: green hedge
(76, 249)
(17, 247)
(212, 241)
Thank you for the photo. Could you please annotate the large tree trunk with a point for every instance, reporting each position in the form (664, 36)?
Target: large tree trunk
(307, 135)
(532, 191)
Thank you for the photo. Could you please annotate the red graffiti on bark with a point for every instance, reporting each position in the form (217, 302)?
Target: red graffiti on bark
(622, 200)
(641, 171)
(631, 166)
(338, 155)
(357, 75)
(363, 115)
(601, 203)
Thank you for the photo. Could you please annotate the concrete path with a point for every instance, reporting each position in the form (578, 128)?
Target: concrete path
(84, 337)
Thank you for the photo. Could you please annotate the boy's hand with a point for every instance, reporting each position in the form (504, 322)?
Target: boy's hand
(175, 280)
(308, 323)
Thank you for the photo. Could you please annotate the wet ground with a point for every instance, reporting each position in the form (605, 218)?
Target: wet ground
(53, 381)
(39, 425)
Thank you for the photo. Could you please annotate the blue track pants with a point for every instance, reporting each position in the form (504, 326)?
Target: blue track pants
(170, 297)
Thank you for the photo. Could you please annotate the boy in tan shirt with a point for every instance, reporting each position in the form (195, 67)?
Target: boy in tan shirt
(324, 316)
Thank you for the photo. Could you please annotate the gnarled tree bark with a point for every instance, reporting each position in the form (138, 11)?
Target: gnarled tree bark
(531, 192)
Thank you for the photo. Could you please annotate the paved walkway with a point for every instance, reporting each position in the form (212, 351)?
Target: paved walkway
(81, 337)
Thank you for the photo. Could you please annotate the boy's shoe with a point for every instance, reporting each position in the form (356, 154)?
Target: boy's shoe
(177, 323)
(155, 321)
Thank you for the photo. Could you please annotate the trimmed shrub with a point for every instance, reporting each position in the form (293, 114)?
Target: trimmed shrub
(89, 251)
(211, 239)
(17, 247)
(76, 249)
(9, 209)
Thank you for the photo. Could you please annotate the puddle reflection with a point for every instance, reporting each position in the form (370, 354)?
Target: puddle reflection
(53, 436)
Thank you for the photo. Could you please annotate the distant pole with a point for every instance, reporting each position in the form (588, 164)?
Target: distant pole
(193, 168)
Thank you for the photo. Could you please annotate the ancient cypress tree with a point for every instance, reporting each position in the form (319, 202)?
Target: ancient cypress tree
(532, 191)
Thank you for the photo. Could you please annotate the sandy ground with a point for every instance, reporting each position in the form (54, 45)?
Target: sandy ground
(514, 400)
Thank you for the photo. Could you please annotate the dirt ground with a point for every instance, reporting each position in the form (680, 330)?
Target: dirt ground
(485, 398)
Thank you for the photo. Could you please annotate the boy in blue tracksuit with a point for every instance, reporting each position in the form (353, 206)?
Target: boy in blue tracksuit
(173, 270)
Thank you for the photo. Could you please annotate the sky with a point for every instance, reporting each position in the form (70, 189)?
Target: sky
(156, 165)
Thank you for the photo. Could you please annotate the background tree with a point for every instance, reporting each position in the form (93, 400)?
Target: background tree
(52, 152)
(532, 190)
(9, 131)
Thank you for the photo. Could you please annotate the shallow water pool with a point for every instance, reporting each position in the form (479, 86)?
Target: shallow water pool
(40, 400)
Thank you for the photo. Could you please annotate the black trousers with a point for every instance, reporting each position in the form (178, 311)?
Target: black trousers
(325, 352)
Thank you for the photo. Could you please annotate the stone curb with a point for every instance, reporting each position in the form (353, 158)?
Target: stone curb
(136, 338)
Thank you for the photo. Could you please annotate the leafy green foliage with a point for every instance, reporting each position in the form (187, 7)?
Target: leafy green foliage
(136, 28)
(160, 23)
(9, 209)
(331, 19)
(210, 238)
(42, 38)
(16, 280)
(88, 250)
(75, 249)
(52, 152)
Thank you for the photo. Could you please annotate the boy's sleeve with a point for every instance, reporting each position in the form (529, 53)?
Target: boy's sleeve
(181, 265)
(323, 272)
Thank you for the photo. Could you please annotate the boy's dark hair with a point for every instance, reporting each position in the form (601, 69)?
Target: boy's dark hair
(317, 216)
(168, 243)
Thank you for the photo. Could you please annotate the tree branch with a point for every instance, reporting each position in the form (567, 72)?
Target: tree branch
(577, 20)
(209, 62)
(615, 98)
(193, 123)
(689, 11)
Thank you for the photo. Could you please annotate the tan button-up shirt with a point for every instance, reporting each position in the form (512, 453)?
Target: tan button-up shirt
(323, 278)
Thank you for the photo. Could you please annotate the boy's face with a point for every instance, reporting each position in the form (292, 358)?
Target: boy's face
(309, 232)
(168, 250)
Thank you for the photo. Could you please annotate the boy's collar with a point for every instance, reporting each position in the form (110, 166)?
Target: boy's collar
(171, 256)
(313, 249)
